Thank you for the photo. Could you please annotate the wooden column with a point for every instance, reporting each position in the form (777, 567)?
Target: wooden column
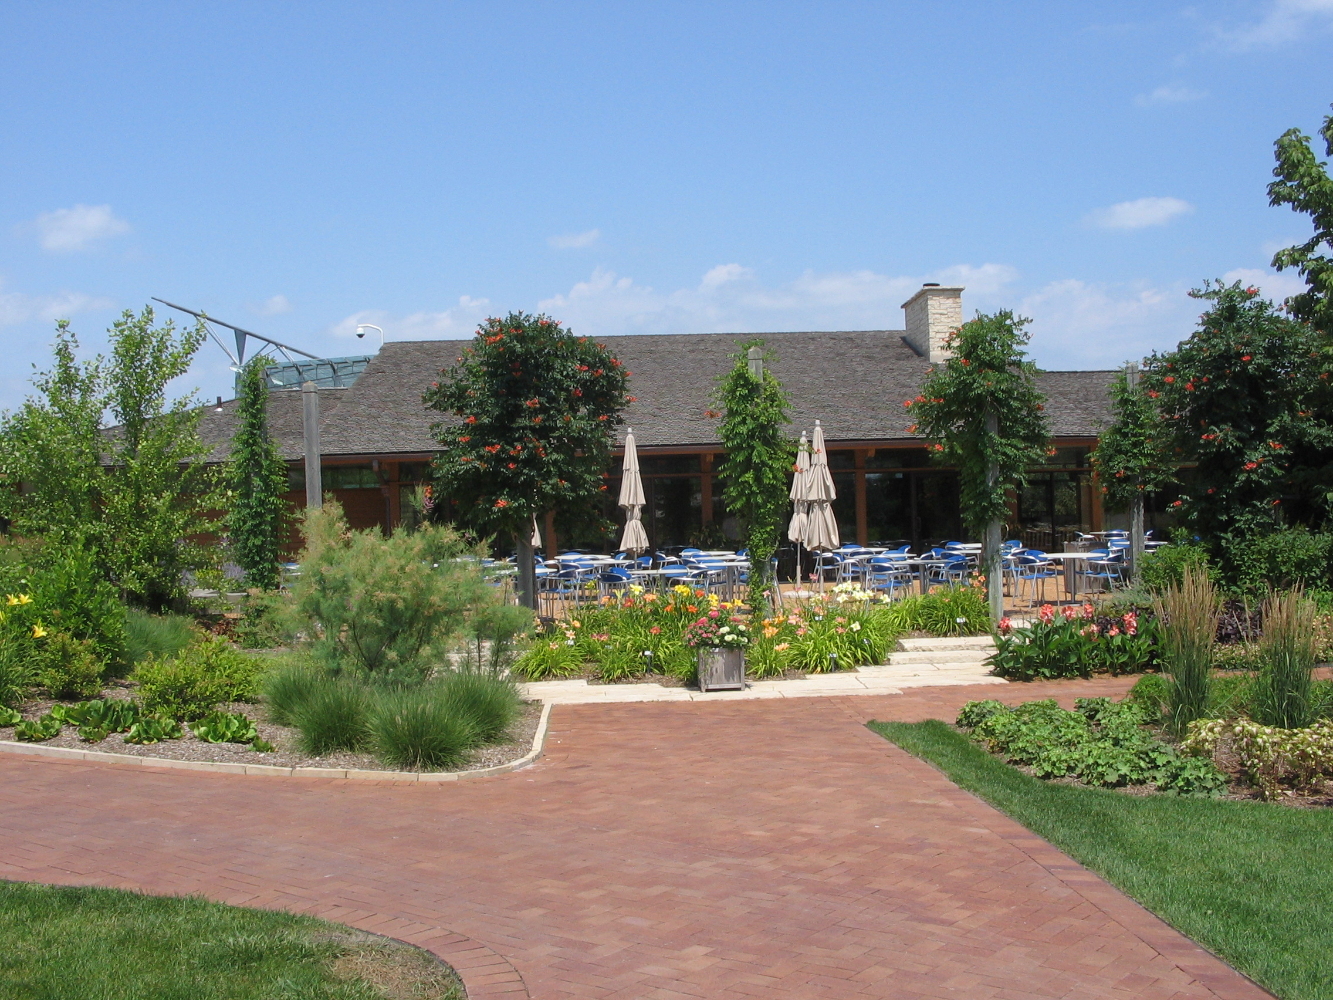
(706, 486)
(548, 536)
(862, 532)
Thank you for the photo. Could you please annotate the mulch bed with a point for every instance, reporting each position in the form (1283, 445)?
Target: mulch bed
(283, 738)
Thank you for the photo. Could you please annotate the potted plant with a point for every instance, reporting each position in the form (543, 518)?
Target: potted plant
(720, 638)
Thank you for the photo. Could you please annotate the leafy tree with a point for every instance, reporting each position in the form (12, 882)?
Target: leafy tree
(538, 409)
(758, 463)
(1304, 184)
(138, 492)
(983, 414)
(257, 517)
(1133, 456)
(1247, 400)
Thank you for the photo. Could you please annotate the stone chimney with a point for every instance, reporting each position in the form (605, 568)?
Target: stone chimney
(932, 314)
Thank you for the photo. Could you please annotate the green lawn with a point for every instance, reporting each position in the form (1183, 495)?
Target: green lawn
(1251, 881)
(104, 944)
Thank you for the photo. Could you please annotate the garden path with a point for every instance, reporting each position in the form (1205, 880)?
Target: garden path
(764, 849)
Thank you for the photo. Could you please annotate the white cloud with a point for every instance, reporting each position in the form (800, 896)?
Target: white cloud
(732, 298)
(1277, 287)
(575, 241)
(16, 307)
(1140, 213)
(77, 228)
(457, 323)
(1170, 95)
(1076, 324)
(1285, 21)
(276, 305)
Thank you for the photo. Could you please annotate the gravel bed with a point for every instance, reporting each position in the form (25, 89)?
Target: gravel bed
(283, 738)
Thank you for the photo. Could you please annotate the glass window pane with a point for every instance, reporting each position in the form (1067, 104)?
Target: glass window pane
(888, 508)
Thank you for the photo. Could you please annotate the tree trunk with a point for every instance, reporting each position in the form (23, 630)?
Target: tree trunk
(991, 543)
(526, 583)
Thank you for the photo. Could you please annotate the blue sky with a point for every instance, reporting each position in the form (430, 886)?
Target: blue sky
(626, 167)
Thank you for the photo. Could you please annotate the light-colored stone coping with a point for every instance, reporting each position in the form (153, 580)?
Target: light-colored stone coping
(227, 767)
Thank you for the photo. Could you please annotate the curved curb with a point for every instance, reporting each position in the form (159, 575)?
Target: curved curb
(351, 774)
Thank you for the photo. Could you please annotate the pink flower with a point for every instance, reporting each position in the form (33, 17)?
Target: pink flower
(655, 630)
(1046, 613)
(712, 614)
(1113, 631)
(1069, 612)
(1006, 626)
(1089, 611)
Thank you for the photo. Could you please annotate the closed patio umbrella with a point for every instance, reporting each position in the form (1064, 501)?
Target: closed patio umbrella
(800, 506)
(821, 528)
(635, 539)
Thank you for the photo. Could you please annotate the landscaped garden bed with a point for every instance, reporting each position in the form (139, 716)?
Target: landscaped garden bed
(66, 942)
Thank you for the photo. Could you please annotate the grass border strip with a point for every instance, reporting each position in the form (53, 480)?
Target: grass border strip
(271, 770)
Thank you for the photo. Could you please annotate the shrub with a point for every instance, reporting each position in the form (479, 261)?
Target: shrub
(190, 685)
(493, 631)
(1151, 693)
(384, 606)
(1270, 756)
(1165, 567)
(333, 715)
(1295, 557)
(489, 703)
(71, 595)
(287, 688)
(69, 667)
(976, 712)
(1282, 695)
(1188, 616)
(420, 728)
(158, 636)
(264, 621)
(16, 671)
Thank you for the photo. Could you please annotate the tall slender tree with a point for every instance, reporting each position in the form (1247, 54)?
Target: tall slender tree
(758, 462)
(257, 479)
(982, 412)
(1303, 183)
(534, 411)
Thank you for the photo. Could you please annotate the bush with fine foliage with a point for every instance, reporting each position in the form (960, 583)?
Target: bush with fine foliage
(489, 703)
(188, 686)
(421, 728)
(70, 668)
(384, 606)
(332, 715)
(160, 636)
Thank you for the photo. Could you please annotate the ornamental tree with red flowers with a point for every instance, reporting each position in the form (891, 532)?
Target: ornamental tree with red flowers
(983, 414)
(1247, 400)
(531, 418)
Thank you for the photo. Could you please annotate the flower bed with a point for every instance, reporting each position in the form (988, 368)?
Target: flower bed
(1074, 642)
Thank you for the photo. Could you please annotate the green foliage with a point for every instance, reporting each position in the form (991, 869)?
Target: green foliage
(153, 729)
(1151, 692)
(1073, 642)
(1304, 184)
(189, 685)
(332, 715)
(140, 514)
(257, 480)
(37, 730)
(493, 632)
(757, 467)
(10, 716)
(954, 610)
(95, 719)
(974, 713)
(71, 595)
(490, 704)
(225, 727)
(420, 728)
(1102, 743)
(157, 636)
(537, 410)
(1188, 629)
(1248, 400)
(1239, 877)
(1133, 455)
(384, 606)
(549, 656)
(286, 688)
(1282, 696)
(1294, 557)
(69, 667)
(988, 375)
(1165, 567)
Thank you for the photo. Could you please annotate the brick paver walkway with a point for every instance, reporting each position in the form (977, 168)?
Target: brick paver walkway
(771, 849)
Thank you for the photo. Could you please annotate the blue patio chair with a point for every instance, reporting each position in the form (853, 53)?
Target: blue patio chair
(1033, 569)
(1109, 566)
(613, 579)
(884, 573)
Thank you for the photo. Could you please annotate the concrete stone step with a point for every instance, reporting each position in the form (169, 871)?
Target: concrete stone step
(947, 642)
(940, 655)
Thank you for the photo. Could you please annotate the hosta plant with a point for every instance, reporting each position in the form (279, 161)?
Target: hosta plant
(37, 730)
(9, 716)
(153, 730)
(225, 727)
(1273, 758)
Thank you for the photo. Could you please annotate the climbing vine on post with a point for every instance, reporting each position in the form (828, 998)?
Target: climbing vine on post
(1133, 456)
(535, 410)
(257, 480)
(982, 413)
(759, 457)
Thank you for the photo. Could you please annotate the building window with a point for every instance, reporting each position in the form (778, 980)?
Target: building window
(350, 477)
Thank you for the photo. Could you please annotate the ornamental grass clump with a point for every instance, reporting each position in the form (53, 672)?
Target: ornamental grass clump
(1282, 695)
(489, 703)
(420, 728)
(1187, 617)
(333, 715)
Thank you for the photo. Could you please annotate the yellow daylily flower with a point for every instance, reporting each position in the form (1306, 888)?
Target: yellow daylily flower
(24, 599)
(38, 631)
(12, 600)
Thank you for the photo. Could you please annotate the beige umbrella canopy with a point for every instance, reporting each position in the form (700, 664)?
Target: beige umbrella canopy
(635, 539)
(800, 505)
(536, 535)
(821, 528)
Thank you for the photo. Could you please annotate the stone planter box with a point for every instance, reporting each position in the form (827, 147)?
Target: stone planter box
(721, 669)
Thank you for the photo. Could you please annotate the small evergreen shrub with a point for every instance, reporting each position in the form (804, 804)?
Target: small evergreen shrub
(69, 667)
(189, 685)
(420, 728)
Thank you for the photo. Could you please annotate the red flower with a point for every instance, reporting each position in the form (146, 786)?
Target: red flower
(513, 465)
(465, 439)
(534, 402)
(470, 420)
(907, 403)
(1251, 465)
(492, 448)
(1247, 357)
(501, 503)
(1169, 379)
(1177, 503)
(938, 447)
(1152, 394)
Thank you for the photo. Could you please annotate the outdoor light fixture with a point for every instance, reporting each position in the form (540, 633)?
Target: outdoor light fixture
(361, 329)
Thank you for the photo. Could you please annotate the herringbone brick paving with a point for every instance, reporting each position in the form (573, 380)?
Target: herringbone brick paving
(764, 849)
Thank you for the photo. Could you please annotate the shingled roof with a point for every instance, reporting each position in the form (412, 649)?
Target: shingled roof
(854, 382)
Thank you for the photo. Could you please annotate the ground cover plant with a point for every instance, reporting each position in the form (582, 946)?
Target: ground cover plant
(1242, 878)
(74, 943)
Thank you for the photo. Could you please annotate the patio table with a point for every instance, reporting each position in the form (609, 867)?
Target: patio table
(1073, 569)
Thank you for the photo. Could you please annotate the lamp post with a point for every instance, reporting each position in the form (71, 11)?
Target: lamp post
(361, 329)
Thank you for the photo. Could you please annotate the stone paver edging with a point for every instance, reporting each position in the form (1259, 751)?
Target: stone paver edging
(226, 767)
